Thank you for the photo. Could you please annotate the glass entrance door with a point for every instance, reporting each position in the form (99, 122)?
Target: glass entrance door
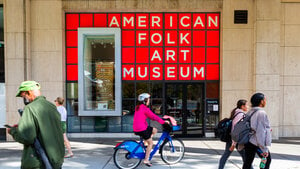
(185, 103)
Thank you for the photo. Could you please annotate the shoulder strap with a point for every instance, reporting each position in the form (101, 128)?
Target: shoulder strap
(251, 116)
(236, 115)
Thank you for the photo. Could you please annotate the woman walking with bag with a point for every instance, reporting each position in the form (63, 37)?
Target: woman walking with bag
(236, 115)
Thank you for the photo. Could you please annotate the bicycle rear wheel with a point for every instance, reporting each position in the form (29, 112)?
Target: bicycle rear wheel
(122, 160)
(172, 155)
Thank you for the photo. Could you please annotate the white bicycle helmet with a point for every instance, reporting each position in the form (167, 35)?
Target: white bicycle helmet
(143, 96)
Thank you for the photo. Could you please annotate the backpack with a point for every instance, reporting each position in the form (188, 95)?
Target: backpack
(223, 129)
(242, 130)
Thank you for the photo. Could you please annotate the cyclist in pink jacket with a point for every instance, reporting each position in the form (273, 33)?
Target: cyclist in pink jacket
(140, 125)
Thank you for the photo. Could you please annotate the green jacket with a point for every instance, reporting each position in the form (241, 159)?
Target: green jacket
(40, 119)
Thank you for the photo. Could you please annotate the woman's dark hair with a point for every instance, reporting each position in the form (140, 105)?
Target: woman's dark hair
(139, 104)
(256, 99)
(239, 105)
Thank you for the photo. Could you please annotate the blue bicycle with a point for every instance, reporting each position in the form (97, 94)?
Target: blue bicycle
(129, 153)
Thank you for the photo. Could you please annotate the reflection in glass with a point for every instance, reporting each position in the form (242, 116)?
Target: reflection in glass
(72, 90)
(87, 124)
(156, 90)
(100, 124)
(157, 106)
(128, 107)
(128, 90)
(142, 87)
(73, 124)
(72, 107)
(114, 124)
(99, 70)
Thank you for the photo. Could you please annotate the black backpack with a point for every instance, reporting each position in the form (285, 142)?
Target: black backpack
(223, 129)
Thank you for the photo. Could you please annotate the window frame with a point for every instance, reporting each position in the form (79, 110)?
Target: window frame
(82, 34)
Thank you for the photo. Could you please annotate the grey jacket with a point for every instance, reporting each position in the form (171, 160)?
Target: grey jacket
(261, 125)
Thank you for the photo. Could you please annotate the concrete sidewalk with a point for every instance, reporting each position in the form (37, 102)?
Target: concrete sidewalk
(200, 153)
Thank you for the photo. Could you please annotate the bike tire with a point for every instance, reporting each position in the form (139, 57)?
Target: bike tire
(122, 161)
(170, 157)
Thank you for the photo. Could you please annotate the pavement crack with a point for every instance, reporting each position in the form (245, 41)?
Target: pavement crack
(107, 162)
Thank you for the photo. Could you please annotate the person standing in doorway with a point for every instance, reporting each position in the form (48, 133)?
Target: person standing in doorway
(261, 139)
(236, 115)
(59, 101)
(40, 120)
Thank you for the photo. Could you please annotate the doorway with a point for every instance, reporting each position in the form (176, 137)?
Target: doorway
(184, 101)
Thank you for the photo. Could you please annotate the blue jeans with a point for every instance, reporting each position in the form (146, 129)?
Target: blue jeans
(227, 153)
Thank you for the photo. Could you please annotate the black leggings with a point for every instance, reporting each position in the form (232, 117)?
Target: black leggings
(250, 151)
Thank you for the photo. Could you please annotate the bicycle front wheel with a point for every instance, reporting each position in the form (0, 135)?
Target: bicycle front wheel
(172, 152)
(123, 161)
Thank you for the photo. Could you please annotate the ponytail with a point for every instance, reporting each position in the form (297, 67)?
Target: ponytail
(239, 105)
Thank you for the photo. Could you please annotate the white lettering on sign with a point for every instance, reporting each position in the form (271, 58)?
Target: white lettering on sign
(129, 72)
(128, 21)
(141, 36)
(156, 35)
(181, 21)
(168, 39)
(145, 72)
(184, 53)
(142, 21)
(170, 72)
(156, 56)
(187, 72)
(114, 21)
(183, 38)
(155, 20)
(156, 71)
(214, 21)
(170, 54)
(171, 21)
(197, 72)
(198, 21)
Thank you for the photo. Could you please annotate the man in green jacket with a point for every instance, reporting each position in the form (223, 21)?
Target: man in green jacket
(40, 120)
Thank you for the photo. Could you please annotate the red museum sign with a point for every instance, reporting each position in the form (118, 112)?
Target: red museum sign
(158, 46)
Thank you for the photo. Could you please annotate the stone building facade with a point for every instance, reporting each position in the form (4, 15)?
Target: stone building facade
(260, 55)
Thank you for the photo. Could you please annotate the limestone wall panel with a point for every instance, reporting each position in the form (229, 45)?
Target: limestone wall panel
(268, 9)
(268, 55)
(291, 38)
(46, 15)
(13, 9)
(15, 74)
(47, 66)
(230, 98)
(52, 89)
(267, 82)
(46, 40)
(268, 31)
(291, 61)
(237, 39)
(291, 13)
(237, 65)
(292, 106)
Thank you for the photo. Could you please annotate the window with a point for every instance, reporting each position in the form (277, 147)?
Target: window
(99, 79)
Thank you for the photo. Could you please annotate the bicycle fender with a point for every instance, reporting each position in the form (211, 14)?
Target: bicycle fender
(130, 145)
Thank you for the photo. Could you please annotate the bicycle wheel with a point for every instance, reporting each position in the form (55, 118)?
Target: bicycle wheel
(170, 155)
(122, 160)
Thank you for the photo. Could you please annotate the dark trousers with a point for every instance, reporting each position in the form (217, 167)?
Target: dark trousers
(227, 153)
(250, 151)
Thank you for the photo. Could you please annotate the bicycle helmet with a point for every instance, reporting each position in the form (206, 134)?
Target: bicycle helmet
(143, 96)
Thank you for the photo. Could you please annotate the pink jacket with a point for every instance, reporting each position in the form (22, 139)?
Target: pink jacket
(140, 118)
